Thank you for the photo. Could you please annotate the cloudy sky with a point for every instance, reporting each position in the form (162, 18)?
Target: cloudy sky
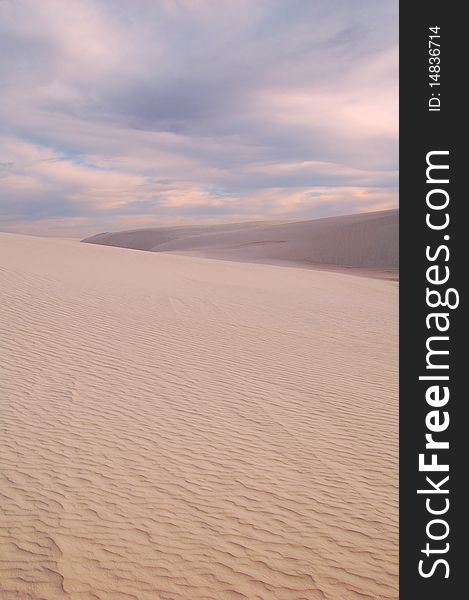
(117, 114)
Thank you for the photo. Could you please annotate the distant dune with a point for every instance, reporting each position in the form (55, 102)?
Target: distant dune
(176, 429)
(365, 240)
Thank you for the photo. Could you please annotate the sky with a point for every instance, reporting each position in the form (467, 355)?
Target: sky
(120, 114)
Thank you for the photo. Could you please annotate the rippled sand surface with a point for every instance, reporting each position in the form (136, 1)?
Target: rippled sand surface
(183, 428)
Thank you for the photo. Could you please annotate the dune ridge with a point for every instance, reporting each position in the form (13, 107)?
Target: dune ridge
(364, 241)
(178, 428)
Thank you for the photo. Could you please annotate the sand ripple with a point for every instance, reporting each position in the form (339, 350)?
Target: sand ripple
(180, 428)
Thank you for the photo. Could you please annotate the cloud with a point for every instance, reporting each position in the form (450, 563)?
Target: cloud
(119, 113)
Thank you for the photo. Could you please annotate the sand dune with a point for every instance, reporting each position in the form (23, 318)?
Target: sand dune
(366, 240)
(182, 428)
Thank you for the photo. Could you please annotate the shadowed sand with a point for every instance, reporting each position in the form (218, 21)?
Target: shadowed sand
(176, 427)
(365, 241)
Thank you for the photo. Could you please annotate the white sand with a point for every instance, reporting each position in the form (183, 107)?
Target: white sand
(183, 428)
(365, 240)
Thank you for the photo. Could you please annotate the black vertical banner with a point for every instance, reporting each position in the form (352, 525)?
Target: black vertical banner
(432, 299)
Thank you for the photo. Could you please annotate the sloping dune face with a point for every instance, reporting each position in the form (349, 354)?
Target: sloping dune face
(182, 428)
(365, 240)
(150, 239)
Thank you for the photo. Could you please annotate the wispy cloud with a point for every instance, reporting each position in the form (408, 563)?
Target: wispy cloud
(119, 114)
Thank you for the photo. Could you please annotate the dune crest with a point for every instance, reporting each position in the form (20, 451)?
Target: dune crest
(367, 241)
(176, 427)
